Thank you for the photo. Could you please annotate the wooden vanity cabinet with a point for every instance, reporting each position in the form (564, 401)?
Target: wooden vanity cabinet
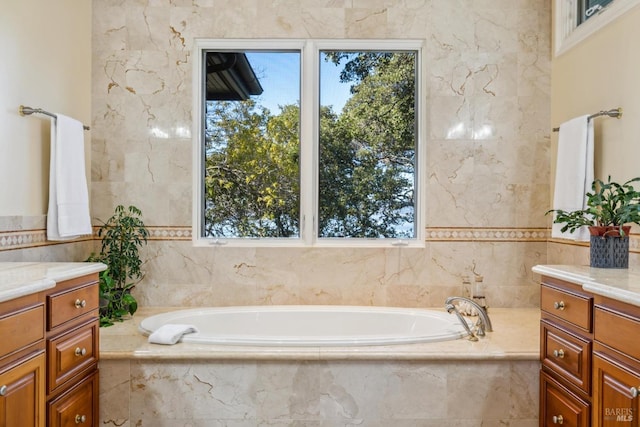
(590, 354)
(22, 362)
(566, 329)
(616, 356)
(49, 356)
(72, 353)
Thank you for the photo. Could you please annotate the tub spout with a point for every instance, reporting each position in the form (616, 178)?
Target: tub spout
(452, 308)
(484, 322)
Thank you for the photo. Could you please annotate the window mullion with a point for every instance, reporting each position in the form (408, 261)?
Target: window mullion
(309, 141)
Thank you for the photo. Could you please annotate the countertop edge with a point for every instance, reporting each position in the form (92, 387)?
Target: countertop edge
(220, 356)
(619, 284)
(22, 279)
(26, 289)
(79, 269)
(557, 272)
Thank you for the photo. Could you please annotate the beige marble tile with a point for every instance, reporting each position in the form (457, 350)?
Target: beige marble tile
(335, 393)
(115, 392)
(487, 117)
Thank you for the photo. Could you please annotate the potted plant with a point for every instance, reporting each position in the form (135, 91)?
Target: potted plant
(122, 236)
(610, 207)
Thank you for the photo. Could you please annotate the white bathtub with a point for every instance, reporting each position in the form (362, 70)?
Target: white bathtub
(311, 325)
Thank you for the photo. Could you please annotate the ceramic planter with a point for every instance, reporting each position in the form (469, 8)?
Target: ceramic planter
(607, 248)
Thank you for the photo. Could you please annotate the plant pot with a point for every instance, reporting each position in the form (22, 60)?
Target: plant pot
(607, 248)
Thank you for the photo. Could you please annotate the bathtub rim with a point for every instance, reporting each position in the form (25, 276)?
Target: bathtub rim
(516, 336)
(457, 333)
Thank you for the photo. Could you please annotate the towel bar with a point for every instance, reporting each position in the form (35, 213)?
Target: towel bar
(27, 111)
(616, 112)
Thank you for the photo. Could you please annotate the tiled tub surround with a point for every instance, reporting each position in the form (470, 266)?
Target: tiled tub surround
(493, 382)
(487, 117)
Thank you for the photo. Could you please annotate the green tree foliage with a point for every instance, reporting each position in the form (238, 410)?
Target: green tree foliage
(366, 162)
(369, 150)
(251, 171)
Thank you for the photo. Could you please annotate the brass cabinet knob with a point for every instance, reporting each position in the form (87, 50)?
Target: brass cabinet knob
(634, 392)
(559, 305)
(80, 303)
(3, 390)
(557, 419)
(80, 351)
(81, 419)
(558, 353)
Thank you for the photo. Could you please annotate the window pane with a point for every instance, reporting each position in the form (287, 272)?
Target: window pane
(589, 8)
(367, 144)
(252, 144)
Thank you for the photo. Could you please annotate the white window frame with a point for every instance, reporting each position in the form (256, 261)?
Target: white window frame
(567, 32)
(309, 144)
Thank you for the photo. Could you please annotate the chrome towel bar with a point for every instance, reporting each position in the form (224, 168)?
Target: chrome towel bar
(616, 112)
(27, 111)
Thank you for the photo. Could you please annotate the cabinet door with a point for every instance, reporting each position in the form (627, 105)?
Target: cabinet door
(22, 394)
(616, 389)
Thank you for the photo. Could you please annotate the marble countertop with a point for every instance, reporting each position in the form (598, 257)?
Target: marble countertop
(617, 283)
(516, 336)
(18, 279)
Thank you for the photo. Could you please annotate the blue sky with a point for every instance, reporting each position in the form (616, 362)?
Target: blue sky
(279, 75)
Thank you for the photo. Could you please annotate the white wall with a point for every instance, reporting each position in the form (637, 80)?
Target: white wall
(45, 62)
(598, 74)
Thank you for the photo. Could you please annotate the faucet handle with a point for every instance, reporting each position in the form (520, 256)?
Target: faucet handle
(480, 327)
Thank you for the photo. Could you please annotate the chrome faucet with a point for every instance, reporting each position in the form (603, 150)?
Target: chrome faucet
(483, 324)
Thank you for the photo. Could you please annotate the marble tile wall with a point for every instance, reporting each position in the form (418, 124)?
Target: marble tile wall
(487, 69)
(321, 393)
(24, 238)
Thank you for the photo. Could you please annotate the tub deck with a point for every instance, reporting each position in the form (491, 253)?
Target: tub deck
(516, 337)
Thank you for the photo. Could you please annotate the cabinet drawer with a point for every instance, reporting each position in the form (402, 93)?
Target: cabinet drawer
(617, 331)
(572, 308)
(71, 353)
(77, 407)
(24, 328)
(561, 407)
(70, 304)
(567, 354)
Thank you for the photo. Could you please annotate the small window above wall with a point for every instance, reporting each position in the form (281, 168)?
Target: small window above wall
(575, 20)
(590, 8)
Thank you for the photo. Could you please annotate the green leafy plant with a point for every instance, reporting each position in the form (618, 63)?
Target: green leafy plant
(122, 236)
(609, 204)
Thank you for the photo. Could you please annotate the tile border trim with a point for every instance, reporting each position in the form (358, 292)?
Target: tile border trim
(487, 234)
(24, 239)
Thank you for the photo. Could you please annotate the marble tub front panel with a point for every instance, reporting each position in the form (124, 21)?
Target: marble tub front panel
(318, 393)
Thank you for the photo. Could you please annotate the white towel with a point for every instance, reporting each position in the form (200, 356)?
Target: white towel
(68, 214)
(170, 333)
(574, 172)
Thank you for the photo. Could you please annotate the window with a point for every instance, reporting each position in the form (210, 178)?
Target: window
(575, 20)
(252, 144)
(307, 142)
(589, 8)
